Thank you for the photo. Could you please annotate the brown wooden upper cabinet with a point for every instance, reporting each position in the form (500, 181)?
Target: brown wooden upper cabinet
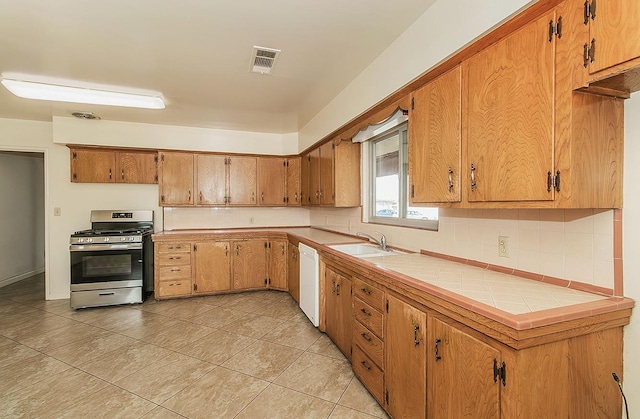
(176, 178)
(294, 191)
(113, 166)
(279, 181)
(434, 140)
(272, 177)
(211, 178)
(610, 35)
(305, 179)
(509, 89)
(334, 174)
(528, 139)
(207, 179)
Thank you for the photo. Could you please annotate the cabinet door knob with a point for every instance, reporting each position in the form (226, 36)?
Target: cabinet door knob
(473, 177)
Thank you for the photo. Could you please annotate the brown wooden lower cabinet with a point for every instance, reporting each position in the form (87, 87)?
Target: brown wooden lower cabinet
(406, 360)
(338, 309)
(294, 272)
(278, 261)
(173, 271)
(212, 267)
(461, 380)
(249, 264)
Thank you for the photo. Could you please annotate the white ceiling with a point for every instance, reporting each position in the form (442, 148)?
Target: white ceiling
(197, 53)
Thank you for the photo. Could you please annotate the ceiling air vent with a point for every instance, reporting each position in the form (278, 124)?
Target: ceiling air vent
(85, 115)
(263, 59)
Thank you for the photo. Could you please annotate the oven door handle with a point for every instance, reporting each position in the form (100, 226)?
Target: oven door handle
(95, 247)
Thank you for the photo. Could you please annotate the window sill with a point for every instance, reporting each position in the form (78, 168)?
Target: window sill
(431, 225)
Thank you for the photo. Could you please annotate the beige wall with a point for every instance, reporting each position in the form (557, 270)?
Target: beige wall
(21, 216)
(445, 27)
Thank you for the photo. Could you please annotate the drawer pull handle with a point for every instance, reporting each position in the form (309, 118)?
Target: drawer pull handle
(365, 290)
(175, 257)
(175, 269)
(175, 284)
(364, 310)
(367, 366)
(104, 294)
(365, 336)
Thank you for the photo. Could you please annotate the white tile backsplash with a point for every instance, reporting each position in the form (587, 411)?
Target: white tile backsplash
(234, 217)
(572, 244)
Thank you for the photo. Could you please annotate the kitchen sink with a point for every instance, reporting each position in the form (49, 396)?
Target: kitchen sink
(364, 250)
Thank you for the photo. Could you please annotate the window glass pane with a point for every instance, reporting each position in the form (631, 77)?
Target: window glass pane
(387, 176)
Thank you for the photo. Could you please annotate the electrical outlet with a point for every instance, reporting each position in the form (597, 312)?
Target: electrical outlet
(57, 211)
(503, 246)
(252, 220)
(349, 225)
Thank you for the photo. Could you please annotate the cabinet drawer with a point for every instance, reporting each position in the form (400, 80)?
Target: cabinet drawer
(174, 288)
(370, 344)
(368, 316)
(369, 294)
(370, 375)
(167, 273)
(174, 247)
(174, 259)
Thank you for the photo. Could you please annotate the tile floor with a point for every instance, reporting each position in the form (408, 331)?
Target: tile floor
(250, 355)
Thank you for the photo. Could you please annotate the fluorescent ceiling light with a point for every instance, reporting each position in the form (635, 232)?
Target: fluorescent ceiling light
(64, 93)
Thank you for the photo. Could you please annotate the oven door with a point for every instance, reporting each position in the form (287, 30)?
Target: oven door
(100, 266)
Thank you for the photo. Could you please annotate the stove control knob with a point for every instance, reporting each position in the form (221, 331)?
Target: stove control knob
(90, 240)
(131, 239)
(80, 240)
(106, 239)
(123, 239)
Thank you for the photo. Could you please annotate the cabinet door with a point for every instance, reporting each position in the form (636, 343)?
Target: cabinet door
(272, 177)
(212, 266)
(294, 272)
(509, 86)
(93, 166)
(327, 195)
(278, 264)
(136, 167)
(434, 140)
(293, 182)
(461, 383)
(211, 179)
(242, 180)
(406, 362)
(305, 179)
(338, 310)
(249, 264)
(314, 176)
(176, 178)
(346, 175)
(614, 31)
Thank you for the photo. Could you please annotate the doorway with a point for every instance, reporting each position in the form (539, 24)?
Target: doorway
(22, 217)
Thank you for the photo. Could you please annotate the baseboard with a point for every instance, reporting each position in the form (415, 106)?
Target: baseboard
(11, 280)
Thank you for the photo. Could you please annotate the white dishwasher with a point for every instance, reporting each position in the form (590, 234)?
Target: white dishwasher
(309, 283)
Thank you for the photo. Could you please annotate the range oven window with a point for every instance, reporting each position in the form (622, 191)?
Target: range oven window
(101, 266)
(106, 265)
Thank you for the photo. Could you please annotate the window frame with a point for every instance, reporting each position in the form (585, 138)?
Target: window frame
(402, 130)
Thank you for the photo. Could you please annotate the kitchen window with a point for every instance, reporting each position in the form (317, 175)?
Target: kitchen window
(388, 181)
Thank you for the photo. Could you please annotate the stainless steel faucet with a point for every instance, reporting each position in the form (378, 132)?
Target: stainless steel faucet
(382, 242)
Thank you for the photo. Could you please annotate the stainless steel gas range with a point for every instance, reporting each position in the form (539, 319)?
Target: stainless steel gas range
(112, 263)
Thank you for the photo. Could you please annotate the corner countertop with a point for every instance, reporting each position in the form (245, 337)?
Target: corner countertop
(511, 300)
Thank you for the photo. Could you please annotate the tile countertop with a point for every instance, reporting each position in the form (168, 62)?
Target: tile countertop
(517, 302)
(312, 236)
(514, 301)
